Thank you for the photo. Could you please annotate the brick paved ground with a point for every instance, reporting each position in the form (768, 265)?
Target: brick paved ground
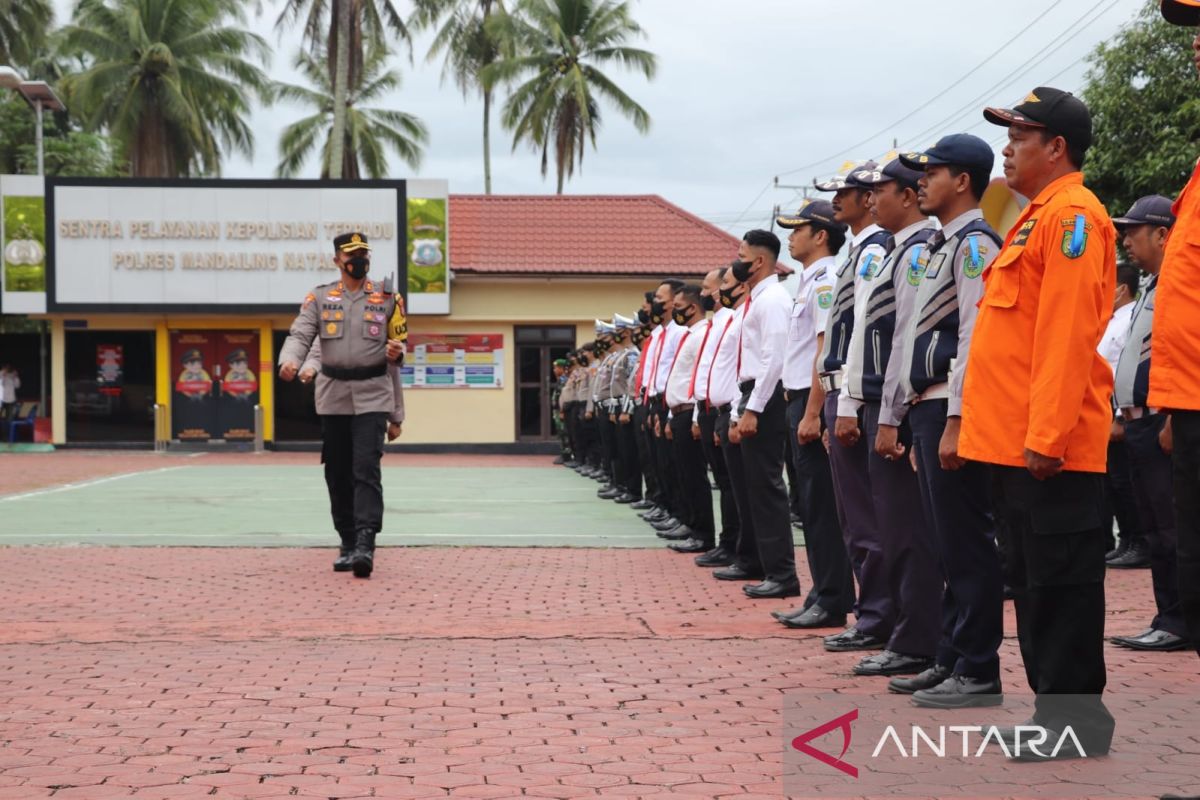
(461, 672)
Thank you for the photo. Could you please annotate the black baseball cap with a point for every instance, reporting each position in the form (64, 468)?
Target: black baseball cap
(1153, 209)
(957, 149)
(1181, 12)
(894, 170)
(349, 242)
(1057, 111)
(847, 181)
(819, 212)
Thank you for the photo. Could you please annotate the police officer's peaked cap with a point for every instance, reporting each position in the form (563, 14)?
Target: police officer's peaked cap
(1181, 12)
(191, 355)
(623, 323)
(1053, 109)
(819, 212)
(957, 149)
(604, 329)
(562, 362)
(350, 242)
(237, 355)
(847, 181)
(1153, 209)
(894, 170)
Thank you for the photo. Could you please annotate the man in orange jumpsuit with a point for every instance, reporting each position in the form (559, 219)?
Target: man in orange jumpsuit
(1036, 405)
(1175, 361)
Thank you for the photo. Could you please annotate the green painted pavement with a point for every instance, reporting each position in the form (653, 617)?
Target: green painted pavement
(255, 506)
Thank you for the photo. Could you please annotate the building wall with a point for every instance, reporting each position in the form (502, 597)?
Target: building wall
(435, 416)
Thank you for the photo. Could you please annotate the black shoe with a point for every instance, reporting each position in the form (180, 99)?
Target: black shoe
(772, 589)
(925, 680)
(1119, 550)
(653, 514)
(1172, 796)
(642, 505)
(853, 639)
(571, 464)
(611, 493)
(736, 572)
(960, 691)
(890, 662)
(717, 557)
(666, 524)
(795, 612)
(625, 499)
(1154, 640)
(678, 534)
(345, 552)
(1136, 557)
(1008, 592)
(813, 617)
(363, 560)
(692, 545)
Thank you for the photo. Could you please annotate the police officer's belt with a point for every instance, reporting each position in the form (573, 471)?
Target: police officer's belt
(831, 381)
(353, 373)
(682, 407)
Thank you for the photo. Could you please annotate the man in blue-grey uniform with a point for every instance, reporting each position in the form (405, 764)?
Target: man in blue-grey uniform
(955, 492)
(1144, 231)
(875, 611)
(881, 309)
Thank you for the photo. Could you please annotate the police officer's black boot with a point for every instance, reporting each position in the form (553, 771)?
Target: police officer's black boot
(363, 560)
(345, 553)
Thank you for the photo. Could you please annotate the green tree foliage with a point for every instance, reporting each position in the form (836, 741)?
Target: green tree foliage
(170, 80)
(369, 132)
(68, 152)
(24, 27)
(1144, 95)
(560, 46)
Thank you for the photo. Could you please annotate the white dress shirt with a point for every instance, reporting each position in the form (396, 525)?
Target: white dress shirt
(704, 366)
(652, 352)
(764, 340)
(1116, 334)
(721, 383)
(672, 333)
(810, 311)
(679, 380)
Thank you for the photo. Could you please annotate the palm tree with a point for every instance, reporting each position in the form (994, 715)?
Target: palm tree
(348, 28)
(24, 25)
(368, 132)
(168, 79)
(469, 45)
(560, 44)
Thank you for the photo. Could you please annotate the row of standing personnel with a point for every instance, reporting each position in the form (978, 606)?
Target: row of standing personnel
(934, 361)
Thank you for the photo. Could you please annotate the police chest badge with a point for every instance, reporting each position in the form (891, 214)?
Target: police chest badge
(1075, 236)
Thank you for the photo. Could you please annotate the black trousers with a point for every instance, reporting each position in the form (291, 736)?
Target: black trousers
(1185, 457)
(1151, 471)
(833, 581)
(351, 449)
(607, 431)
(645, 453)
(793, 481)
(630, 469)
(1055, 568)
(745, 548)
(762, 464)
(664, 462)
(695, 492)
(588, 435)
(1122, 499)
(713, 454)
(962, 534)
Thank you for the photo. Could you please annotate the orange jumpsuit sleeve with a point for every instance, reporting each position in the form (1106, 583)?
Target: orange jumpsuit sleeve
(1071, 315)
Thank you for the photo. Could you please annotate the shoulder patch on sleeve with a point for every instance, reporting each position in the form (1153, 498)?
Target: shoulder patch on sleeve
(825, 296)
(309, 299)
(1075, 235)
(973, 256)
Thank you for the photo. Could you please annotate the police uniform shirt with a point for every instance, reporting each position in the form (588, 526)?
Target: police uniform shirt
(721, 384)
(602, 381)
(395, 375)
(672, 335)
(624, 370)
(353, 328)
(720, 319)
(765, 317)
(810, 312)
(1115, 335)
(587, 374)
(865, 249)
(884, 305)
(939, 332)
(1133, 367)
(680, 377)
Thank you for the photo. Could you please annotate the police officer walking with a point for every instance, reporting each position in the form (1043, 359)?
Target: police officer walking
(361, 327)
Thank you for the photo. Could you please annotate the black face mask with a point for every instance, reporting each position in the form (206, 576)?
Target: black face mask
(643, 316)
(680, 317)
(741, 270)
(781, 277)
(709, 303)
(657, 310)
(357, 267)
(727, 298)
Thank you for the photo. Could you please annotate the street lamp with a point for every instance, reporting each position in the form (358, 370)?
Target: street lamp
(39, 95)
(10, 78)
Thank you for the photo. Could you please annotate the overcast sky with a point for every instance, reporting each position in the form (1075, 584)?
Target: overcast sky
(751, 89)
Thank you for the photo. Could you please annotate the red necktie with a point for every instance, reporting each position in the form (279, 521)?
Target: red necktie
(637, 381)
(699, 355)
(654, 369)
(745, 311)
(721, 338)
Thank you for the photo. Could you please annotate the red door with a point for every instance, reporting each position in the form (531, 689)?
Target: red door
(214, 386)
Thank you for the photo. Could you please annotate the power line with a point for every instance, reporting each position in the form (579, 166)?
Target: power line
(931, 100)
